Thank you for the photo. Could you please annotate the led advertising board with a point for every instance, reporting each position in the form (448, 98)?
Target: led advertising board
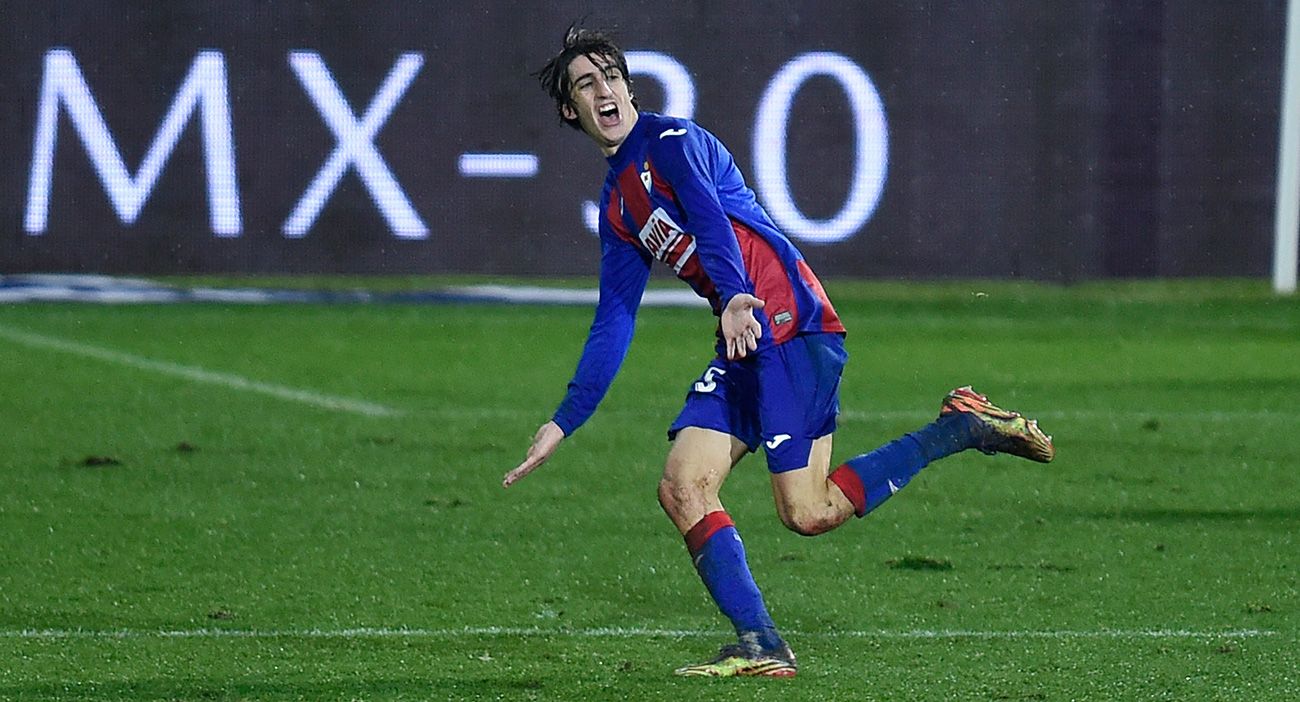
(887, 139)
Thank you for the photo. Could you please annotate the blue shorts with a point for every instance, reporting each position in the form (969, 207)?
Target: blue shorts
(785, 398)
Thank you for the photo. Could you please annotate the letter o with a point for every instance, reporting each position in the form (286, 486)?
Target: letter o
(870, 155)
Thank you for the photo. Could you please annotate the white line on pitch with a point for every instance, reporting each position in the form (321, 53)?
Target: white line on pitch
(198, 375)
(615, 633)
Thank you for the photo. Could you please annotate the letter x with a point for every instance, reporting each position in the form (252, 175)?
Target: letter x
(355, 145)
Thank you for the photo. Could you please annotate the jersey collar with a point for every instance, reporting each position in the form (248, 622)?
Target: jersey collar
(632, 144)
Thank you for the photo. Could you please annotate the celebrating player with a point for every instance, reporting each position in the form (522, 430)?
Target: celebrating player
(673, 193)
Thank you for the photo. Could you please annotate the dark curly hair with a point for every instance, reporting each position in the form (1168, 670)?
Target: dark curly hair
(578, 41)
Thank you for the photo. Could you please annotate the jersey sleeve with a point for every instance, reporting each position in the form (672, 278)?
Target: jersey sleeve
(686, 159)
(623, 275)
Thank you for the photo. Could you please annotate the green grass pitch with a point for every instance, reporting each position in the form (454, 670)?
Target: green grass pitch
(303, 502)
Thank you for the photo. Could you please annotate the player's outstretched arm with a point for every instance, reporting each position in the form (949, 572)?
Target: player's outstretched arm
(545, 441)
(740, 330)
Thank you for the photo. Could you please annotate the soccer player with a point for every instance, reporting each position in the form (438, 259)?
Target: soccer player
(673, 193)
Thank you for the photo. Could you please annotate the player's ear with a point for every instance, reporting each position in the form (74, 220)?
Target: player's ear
(567, 111)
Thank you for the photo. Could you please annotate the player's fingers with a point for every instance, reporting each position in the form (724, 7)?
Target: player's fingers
(513, 476)
(756, 303)
(522, 469)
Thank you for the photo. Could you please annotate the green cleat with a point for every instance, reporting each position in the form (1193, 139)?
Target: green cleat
(735, 660)
(1003, 431)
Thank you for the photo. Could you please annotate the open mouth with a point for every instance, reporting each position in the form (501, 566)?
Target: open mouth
(607, 115)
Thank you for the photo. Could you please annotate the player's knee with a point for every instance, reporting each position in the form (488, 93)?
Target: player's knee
(809, 522)
(678, 495)
(673, 495)
(667, 495)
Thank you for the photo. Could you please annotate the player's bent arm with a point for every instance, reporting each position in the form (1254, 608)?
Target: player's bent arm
(686, 161)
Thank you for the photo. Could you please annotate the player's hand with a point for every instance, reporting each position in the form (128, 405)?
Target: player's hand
(548, 437)
(740, 331)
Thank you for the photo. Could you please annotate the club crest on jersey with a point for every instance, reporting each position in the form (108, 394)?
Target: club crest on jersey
(645, 176)
(666, 241)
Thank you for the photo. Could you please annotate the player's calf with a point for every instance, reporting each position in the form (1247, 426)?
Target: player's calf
(808, 522)
(807, 503)
(809, 510)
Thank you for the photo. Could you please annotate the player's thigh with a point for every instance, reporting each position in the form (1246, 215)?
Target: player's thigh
(703, 456)
(806, 490)
(698, 463)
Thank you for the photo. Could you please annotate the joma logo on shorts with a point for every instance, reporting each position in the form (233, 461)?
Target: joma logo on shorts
(778, 440)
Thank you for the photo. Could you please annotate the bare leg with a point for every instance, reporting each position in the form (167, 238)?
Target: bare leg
(698, 463)
(806, 500)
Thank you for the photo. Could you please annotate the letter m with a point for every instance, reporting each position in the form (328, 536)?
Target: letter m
(204, 87)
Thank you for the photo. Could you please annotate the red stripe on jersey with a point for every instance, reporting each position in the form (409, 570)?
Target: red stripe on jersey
(771, 284)
(705, 528)
(692, 272)
(694, 275)
(614, 214)
(830, 320)
(660, 184)
(635, 197)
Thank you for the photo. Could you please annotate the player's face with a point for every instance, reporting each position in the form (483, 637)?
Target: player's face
(601, 101)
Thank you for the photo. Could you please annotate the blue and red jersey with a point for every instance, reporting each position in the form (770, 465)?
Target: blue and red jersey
(674, 193)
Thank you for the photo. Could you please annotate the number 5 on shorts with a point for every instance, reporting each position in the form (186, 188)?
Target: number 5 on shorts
(709, 382)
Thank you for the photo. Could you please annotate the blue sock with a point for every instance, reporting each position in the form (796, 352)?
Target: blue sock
(719, 558)
(870, 479)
